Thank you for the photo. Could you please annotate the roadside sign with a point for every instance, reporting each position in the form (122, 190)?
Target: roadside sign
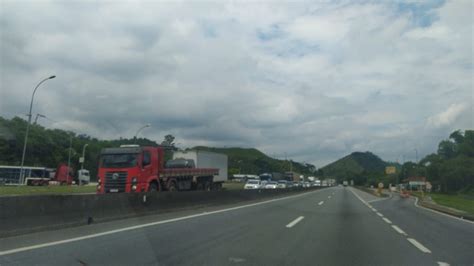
(380, 185)
(390, 170)
(428, 186)
(81, 159)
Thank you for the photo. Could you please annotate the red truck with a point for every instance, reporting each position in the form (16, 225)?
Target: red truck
(42, 176)
(132, 169)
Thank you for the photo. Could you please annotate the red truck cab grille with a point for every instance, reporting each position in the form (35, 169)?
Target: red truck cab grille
(115, 182)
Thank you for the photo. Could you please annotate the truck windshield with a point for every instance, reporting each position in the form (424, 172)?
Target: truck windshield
(119, 160)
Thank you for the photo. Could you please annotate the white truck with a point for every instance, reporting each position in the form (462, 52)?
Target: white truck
(83, 177)
(206, 159)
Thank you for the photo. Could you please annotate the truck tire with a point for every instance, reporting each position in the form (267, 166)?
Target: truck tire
(207, 186)
(172, 186)
(154, 187)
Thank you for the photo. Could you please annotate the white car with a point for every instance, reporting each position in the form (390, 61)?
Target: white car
(271, 185)
(282, 184)
(253, 184)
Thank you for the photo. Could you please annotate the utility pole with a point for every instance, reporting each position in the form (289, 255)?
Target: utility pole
(39, 115)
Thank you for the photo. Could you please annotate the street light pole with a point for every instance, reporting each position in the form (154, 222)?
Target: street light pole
(69, 159)
(83, 155)
(138, 131)
(28, 128)
(416, 154)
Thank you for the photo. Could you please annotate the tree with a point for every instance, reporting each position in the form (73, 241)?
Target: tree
(447, 149)
(168, 141)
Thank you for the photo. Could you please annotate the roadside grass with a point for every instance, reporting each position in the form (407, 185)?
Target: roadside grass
(233, 185)
(457, 201)
(39, 190)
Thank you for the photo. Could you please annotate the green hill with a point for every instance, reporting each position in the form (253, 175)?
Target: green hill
(357, 166)
(253, 161)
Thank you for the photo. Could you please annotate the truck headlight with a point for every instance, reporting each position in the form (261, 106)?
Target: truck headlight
(98, 180)
(99, 187)
(134, 187)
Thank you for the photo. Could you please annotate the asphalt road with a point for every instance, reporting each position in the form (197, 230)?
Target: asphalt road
(334, 226)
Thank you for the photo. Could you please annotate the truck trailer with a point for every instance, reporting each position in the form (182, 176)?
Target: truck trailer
(133, 169)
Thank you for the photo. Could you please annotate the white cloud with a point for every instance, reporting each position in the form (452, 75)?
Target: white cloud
(448, 116)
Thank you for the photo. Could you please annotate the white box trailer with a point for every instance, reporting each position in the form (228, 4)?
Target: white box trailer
(206, 159)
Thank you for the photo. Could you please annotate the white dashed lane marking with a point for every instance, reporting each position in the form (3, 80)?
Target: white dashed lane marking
(419, 245)
(294, 222)
(387, 220)
(321, 203)
(396, 228)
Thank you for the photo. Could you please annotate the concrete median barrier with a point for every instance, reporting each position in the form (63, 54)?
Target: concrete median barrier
(26, 214)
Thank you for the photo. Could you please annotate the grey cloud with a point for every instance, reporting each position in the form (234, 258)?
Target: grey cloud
(223, 74)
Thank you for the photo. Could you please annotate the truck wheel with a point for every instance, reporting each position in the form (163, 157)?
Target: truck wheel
(172, 186)
(207, 186)
(153, 187)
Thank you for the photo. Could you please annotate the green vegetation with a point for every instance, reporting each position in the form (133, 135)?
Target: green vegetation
(457, 201)
(50, 147)
(253, 161)
(30, 190)
(460, 201)
(451, 169)
(362, 167)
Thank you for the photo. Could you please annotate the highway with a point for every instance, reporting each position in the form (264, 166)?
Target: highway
(333, 226)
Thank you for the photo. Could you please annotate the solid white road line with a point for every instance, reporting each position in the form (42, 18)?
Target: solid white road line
(321, 203)
(387, 220)
(375, 200)
(444, 214)
(297, 220)
(399, 230)
(54, 243)
(440, 263)
(419, 245)
(379, 214)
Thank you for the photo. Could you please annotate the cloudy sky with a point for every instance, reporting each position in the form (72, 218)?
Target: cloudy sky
(315, 79)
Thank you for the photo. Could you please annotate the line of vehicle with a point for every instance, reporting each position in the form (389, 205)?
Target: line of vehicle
(130, 228)
(294, 222)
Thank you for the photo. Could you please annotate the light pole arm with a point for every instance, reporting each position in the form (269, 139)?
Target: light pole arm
(33, 96)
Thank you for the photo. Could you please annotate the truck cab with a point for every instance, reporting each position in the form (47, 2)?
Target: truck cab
(129, 169)
(83, 177)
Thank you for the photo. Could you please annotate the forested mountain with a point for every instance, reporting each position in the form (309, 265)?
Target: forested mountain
(253, 161)
(358, 166)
